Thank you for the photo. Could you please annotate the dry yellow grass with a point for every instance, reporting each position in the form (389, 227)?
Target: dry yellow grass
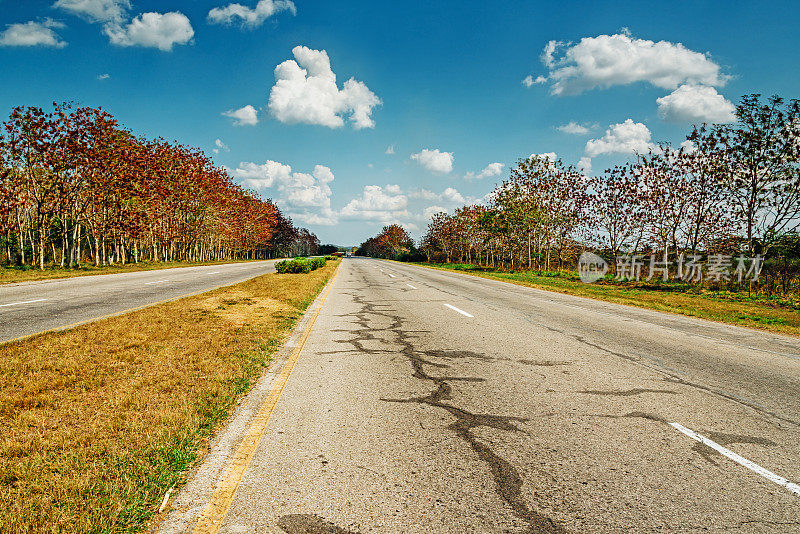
(13, 275)
(99, 421)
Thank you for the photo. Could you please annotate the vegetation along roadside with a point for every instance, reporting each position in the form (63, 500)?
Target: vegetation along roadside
(101, 420)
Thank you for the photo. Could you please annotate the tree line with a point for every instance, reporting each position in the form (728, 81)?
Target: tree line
(77, 187)
(728, 189)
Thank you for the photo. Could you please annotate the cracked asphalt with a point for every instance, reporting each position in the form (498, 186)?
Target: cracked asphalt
(540, 413)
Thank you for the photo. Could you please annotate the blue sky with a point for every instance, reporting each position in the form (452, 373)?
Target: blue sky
(449, 76)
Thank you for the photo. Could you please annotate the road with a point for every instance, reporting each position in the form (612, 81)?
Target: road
(30, 307)
(427, 401)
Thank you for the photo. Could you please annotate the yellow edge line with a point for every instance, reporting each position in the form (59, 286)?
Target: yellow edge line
(211, 519)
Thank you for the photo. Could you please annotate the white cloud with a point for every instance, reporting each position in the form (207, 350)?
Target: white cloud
(430, 211)
(377, 204)
(246, 116)
(696, 104)
(688, 146)
(105, 76)
(493, 169)
(220, 147)
(262, 176)
(449, 195)
(423, 193)
(552, 156)
(307, 196)
(390, 149)
(574, 128)
(625, 138)
(156, 30)
(435, 161)
(608, 60)
(32, 34)
(305, 91)
(250, 17)
(96, 10)
(585, 165)
(528, 81)
(452, 195)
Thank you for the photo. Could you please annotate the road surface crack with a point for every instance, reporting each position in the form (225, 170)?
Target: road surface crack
(508, 482)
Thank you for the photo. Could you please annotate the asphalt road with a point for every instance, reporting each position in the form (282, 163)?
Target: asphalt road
(427, 401)
(30, 307)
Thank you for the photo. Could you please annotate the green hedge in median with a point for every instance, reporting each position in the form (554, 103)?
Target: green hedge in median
(300, 265)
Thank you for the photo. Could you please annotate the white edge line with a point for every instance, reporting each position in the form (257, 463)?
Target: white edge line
(156, 282)
(769, 475)
(391, 275)
(412, 287)
(462, 312)
(23, 302)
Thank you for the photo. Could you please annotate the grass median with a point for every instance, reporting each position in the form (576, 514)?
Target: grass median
(101, 420)
(10, 275)
(770, 313)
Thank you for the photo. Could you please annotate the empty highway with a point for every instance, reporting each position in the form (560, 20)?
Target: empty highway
(427, 401)
(30, 307)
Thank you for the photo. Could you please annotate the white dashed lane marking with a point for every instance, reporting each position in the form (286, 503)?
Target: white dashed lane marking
(462, 312)
(23, 302)
(769, 475)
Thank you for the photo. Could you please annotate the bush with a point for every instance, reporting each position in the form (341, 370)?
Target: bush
(296, 265)
(330, 258)
(317, 263)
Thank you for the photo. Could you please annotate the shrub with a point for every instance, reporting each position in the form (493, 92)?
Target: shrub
(317, 263)
(297, 265)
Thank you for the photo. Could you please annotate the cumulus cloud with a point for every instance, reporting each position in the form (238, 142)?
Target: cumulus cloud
(249, 17)
(493, 169)
(430, 211)
(105, 76)
(156, 30)
(305, 91)
(377, 204)
(423, 193)
(450, 195)
(585, 165)
(32, 34)
(434, 160)
(619, 59)
(96, 10)
(696, 104)
(625, 138)
(306, 195)
(390, 149)
(574, 128)
(246, 116)
(153, 30)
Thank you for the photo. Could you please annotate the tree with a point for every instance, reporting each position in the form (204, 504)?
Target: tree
(763, 155)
